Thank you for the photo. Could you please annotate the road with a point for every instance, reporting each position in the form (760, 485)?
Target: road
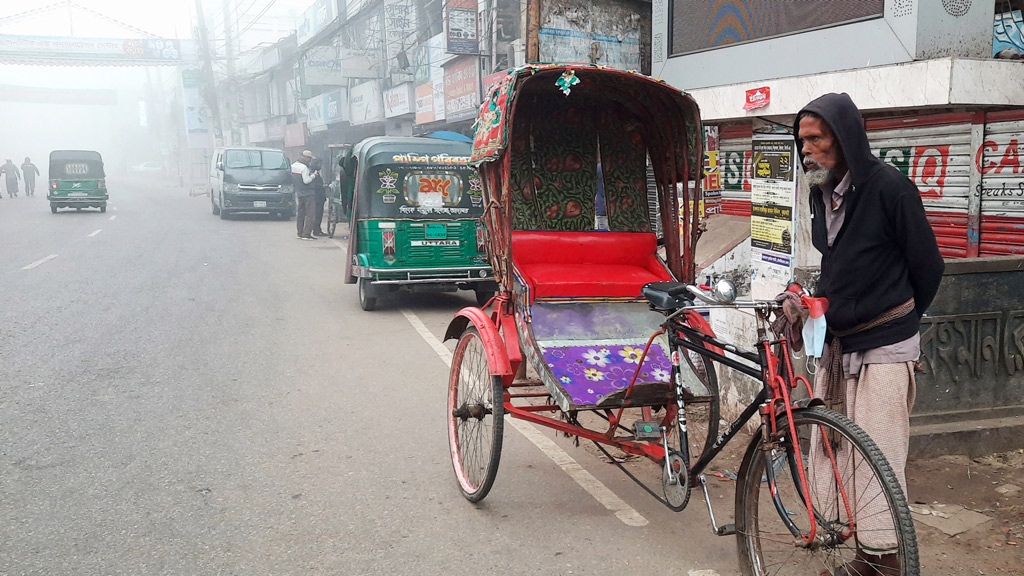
(185, 395)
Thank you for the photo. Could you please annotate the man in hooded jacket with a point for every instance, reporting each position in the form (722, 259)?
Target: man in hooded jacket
(880, 270)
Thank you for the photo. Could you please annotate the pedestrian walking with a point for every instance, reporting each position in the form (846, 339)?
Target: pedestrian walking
(302, 182)
(29, 171)
(12, 176)
(880, 270)
(319, 197)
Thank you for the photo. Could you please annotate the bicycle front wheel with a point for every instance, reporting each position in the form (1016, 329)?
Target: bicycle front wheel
(859, 513)
(475, 417)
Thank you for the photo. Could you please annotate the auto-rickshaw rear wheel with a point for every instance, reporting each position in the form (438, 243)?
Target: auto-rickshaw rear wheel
(103, 209)
(367, 295)
(53, 208)
(332, 219)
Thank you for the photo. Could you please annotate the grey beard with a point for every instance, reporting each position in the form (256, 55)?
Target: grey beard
(818, 176)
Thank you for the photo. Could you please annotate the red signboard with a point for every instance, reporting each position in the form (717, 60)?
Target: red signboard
(758, 98)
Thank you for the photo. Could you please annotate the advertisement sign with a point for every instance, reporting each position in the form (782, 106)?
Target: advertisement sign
(314, 19)
(316, 120)
(365, 103)
(399, 33)
(16, 49)
(711, 185)
(335, 107)
(294, 135)
(425, 103)
(492, 80)
(321, 66)
(772, 196)
(256, 132)
(460, 26)
(758, 98)
(461, 78)
(399, 100)
(194, 103)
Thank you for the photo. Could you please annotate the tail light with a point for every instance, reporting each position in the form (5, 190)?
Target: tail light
(53, 184)
(102, 183)
(481, 240)
(388, 244)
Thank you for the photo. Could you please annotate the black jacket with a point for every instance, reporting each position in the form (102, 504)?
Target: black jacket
(885, 252)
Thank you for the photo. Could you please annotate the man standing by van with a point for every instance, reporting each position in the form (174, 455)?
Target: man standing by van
(302, 182)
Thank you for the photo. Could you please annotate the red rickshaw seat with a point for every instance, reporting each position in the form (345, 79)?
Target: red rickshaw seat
(586, 264)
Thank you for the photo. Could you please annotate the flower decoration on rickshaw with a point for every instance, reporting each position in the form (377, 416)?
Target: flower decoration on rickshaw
(388, 181)
(476, 186)
(566, 81)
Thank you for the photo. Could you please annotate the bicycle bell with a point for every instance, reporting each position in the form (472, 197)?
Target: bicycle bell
(724, 291)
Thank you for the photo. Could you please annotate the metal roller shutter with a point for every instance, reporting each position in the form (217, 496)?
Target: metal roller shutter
(736, 158)
(935, 153)
(1002, 185)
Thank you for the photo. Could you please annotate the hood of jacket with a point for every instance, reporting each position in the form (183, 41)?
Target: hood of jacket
(843, 117)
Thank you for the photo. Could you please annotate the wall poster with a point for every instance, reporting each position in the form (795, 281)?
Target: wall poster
(772, 196)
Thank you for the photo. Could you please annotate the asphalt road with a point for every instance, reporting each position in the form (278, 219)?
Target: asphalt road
(185, 395)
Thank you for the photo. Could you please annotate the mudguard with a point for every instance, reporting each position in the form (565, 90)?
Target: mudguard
(497, 358)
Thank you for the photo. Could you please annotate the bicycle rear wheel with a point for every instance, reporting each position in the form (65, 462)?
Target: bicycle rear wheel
(475, 417)
(857, 502)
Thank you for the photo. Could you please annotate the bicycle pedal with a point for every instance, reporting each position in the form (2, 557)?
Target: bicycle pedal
(646, 430)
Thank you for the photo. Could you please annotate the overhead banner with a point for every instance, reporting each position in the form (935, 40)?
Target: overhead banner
(461, 27)
(60, 50)
(772, 196)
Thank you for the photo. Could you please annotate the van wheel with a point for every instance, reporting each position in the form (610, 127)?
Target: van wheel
(213, 206)
(367, 295)
(223, 213)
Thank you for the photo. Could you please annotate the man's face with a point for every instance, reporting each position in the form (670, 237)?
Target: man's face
(822, 157)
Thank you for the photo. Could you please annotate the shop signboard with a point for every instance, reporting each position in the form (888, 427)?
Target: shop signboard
(399, 100)
(425, 103)
(461, 27)
(257, 132)
(399, 33)
(314, 19)
(461, 92)
(316, 120)
(365, 103)
(335, 106)
(321, 66)
(275, 128)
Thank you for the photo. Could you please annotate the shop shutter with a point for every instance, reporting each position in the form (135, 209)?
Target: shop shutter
(1002, 185)
(736, 157)
(935, 153)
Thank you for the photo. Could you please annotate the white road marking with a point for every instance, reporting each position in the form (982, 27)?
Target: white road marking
(40, 262)
(95, 232)
(113, 217)
(567, 463)
(114, 208)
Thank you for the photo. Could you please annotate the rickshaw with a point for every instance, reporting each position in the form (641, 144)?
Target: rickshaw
(415, 221)
(339, 191)
(598, 329)
(77, 180)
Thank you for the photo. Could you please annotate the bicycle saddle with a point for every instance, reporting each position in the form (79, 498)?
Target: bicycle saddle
(666, 295)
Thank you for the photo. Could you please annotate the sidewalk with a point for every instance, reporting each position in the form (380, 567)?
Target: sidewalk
(969, 513)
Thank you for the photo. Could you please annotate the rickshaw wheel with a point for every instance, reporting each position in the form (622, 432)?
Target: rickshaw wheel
(476, 417)
(367, 301)
(332, 219)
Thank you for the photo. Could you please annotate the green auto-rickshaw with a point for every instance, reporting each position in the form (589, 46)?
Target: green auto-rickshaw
(77, 180)
(415, 221)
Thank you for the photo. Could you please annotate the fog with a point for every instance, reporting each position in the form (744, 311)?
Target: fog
(130, 114)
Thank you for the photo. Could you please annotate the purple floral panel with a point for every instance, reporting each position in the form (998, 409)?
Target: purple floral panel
(589, 373)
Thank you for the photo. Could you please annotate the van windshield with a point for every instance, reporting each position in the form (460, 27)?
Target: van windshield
(266, 159)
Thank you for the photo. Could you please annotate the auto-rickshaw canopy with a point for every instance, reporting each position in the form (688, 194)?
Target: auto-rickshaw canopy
(558, 144)
(75, 165)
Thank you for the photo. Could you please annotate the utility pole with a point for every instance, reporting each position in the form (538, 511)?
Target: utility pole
(210, 82)
(229, 52)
